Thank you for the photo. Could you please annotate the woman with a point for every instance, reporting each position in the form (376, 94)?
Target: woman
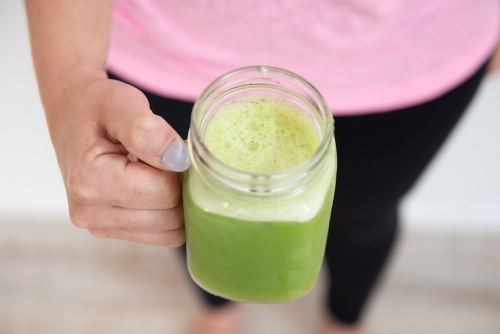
(397, 75)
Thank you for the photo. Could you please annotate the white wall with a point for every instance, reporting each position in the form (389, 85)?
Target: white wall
(30, 182)
(459, 192)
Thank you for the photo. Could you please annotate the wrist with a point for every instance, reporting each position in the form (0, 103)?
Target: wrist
(57, 90)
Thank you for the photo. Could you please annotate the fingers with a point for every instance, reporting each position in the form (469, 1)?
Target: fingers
(120, 165)
(107, 177)
(135, 185)
(145, 135)
(99, 217)
(173, 238)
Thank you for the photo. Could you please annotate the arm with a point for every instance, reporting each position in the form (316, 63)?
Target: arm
(495, 61)
(69, 41)
(96, 124)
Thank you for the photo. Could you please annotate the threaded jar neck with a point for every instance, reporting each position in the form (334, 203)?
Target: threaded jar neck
(263, 80)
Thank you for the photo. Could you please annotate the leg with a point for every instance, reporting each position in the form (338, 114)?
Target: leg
(380, 158)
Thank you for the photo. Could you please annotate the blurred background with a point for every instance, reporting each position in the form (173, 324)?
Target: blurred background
(56, 278)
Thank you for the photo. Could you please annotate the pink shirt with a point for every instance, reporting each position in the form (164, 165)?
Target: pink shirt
(363, 55)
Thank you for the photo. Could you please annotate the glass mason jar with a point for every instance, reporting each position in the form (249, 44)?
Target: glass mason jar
(258, 237)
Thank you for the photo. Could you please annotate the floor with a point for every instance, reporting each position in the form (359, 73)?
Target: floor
(55, 278)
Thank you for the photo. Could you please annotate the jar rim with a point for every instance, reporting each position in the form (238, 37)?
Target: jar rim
(259, 182)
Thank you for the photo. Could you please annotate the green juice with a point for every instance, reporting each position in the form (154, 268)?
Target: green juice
(255, 261)
(254, 248)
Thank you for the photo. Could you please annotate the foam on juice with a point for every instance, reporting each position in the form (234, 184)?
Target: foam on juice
(263, 134)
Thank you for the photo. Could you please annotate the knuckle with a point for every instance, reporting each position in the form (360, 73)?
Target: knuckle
(171, 191)
(77, 218)
(160, 188)
(80, 190)
(177, 223)
(81, 219)
(145, 127)
(170, 199)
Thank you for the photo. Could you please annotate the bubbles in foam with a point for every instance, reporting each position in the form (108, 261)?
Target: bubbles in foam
(261, 134)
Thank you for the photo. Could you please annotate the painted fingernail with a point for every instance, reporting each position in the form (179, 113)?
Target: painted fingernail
(176, 157)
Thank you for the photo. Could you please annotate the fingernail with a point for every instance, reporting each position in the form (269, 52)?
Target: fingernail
(176, 157)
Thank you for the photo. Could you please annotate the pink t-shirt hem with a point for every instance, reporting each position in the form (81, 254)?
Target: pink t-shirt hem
(178, 81)
(425, 88)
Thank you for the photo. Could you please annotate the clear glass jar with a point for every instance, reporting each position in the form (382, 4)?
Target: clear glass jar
(258, 237)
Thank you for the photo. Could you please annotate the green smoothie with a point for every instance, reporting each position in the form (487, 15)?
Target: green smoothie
(259, 249)
(261, 134)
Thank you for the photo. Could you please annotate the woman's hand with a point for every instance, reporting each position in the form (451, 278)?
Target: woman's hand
(99, 127)
(98, 130)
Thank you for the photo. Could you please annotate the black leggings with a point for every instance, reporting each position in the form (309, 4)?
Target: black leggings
(380, 157)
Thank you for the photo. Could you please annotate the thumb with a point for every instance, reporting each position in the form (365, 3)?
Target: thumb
(147, 136)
